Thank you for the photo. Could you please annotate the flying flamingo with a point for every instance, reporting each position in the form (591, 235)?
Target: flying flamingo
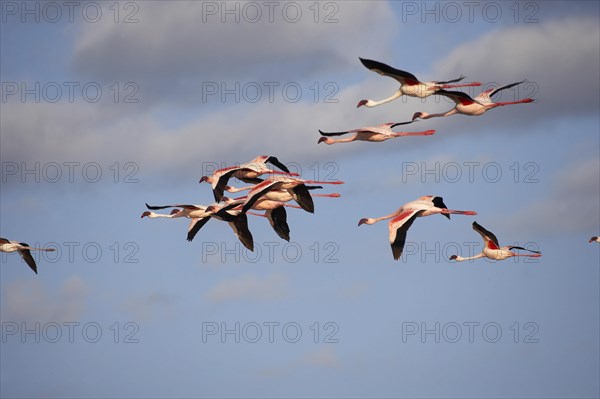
(275, 208)
(197, 214)
(237, 220)
(248, 173)
(467, 105)
(376, 133)
(280, 188)
(275, 213)
(595, 239)
(493, 250)
(409, 84)
(403, 218)
(23, 249)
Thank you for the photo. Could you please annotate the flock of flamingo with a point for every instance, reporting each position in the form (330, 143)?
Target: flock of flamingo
(274, 194)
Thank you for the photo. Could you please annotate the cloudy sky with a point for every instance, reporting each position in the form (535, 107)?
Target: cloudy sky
(107, 106)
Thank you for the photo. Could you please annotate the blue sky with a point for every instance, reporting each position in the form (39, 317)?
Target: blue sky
(76, 173)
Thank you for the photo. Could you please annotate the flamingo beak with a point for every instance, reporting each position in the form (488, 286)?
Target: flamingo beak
(203, 179)
(322, 139)
(453, 257)
(417, 115)
(362, 221)
(145, 214)
(361, 103)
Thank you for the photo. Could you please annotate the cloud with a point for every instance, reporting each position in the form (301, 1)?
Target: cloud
(541, 53)
(29, 301)
(570, 206)
(322, 357)
(150, 307)
(39, 132)
(250, 288)
(354, 291)
(171, 50)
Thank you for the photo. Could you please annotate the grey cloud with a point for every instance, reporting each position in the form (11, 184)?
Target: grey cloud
(170, 52)
(571, 206)
(559, 59)
(28, 301)
(249, 287)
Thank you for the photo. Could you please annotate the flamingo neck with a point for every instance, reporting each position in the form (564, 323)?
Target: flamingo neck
(372, 103)
(461, 259)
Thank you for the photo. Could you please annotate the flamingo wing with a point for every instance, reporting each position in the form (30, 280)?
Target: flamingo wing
(221, 183)
(399, 227)
(184, 206)
(274, 161)
(511, 247)
(451, 81)
(328, 134)
(26, 255)
(438, 202)
(489, 239)
(257, 192)
(241, 230)
(302, 196)
(498, 89)
(401, 76)
(278, 220)
(195, 225)
(457, 96)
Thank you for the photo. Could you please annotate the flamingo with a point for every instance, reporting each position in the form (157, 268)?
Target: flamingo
(23, 249)
(280, 188)
(275, 208)
(237, 220)
(275, 213)
(403, 218)
(409, 84)
(467, 105)
(493, 250)
(377, 133)
(197, 214)
(248, 173)
(595, 239)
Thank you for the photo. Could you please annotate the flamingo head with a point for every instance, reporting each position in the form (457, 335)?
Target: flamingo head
(364, 221)
(323, 140)
(453, 257)
(147, 213)
(361, 103)
(204, 179)
(593, 239)
(418, 115)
